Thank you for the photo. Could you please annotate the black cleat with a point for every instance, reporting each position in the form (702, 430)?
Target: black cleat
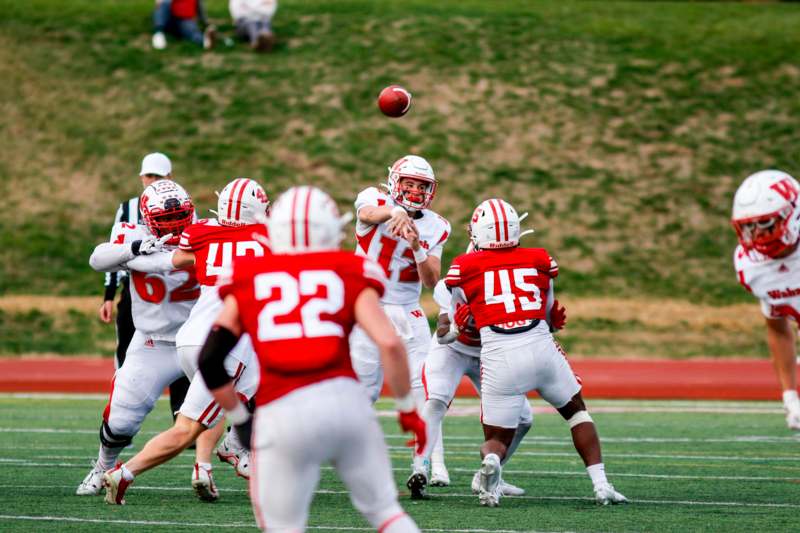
(417, 484)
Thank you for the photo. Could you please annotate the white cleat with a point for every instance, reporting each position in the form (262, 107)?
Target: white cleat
(440, 477)
(506, 489)
(793, 419)
(92, 484)
(239, 459)
(605, 494)
(489, 491)
(203, 484)
(159, 41)
(115, 486)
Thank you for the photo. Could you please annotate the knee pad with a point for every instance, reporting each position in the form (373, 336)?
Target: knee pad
(579, 418)
(110, 439)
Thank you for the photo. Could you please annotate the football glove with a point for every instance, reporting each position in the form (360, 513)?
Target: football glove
(558, 316)
(461, 316)
(150, 245)
(411, 422)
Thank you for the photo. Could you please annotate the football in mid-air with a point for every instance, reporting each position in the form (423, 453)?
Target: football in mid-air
(394, 101)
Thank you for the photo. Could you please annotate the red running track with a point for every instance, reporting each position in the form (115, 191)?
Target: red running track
(707, 379)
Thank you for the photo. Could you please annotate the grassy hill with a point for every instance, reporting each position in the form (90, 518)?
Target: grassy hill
(624, 128)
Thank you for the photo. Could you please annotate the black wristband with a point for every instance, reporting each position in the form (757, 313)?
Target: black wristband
(218, 345)
(135, 246)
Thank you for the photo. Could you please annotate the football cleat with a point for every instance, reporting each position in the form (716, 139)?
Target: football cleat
(115, 486)
(418, 483)
(92, 484)
(203, 484)
(440, 477)
(489, 490)
(238, 459)
(159, 41)
(793, 419)
(605, 494)
(506, 489)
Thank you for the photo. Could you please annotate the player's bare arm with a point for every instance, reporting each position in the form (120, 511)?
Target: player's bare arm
(371, 317)
(396, 216)
(428, 266)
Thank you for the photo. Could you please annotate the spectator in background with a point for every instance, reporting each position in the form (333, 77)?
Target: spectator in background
(253, 19)
(182, 18)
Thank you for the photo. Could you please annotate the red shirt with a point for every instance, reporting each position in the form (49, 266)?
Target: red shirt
(299, 311)
(504, 285)
(184, 9)
(215, 246)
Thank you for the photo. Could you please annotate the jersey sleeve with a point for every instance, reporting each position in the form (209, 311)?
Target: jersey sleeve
(455, 274)
(370, 197)
(437, 249)
(553, 268)
(188, 239)
(442, 297)
(118, 234)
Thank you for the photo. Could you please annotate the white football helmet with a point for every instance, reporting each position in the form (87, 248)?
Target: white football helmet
(167, 208)
(305, 219)
(415, 167)
(765, 214)
(242, 202)
(496, 224)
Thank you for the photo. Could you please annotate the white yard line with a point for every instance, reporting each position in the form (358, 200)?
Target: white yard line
(466, 495)
(229, 525)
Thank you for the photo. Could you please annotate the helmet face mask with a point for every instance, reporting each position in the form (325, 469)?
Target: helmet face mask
(167, 208)
(405, 176)
(765, 214)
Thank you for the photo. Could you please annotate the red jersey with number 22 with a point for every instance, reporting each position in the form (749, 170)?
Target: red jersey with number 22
(505, 285)
(299, 311)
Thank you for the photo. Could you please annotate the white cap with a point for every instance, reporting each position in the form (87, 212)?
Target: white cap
(156, 163)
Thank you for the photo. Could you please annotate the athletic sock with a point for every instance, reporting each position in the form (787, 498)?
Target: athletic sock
(205, 466)
(107, 457)
(522, 430)
(433, 414)
(127, 475)
(598, 474)
(791, 400)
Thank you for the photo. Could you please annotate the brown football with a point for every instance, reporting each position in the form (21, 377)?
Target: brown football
(394, 101)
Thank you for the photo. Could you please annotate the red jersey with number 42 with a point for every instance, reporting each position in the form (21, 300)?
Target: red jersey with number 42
(504, 285)
(299, 311)
(160, 303)
(215, 246)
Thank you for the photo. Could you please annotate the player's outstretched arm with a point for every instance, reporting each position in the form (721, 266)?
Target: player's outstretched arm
(162, 261)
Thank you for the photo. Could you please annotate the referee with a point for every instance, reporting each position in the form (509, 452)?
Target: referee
(155, 166)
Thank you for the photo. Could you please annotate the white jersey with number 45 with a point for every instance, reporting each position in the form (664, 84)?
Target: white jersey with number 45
(395, 254)
(160, 302)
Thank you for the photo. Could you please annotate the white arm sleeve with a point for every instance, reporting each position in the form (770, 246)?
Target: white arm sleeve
(153, 263)
(108, 257)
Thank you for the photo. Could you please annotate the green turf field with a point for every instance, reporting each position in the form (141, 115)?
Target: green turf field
(686, 466)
